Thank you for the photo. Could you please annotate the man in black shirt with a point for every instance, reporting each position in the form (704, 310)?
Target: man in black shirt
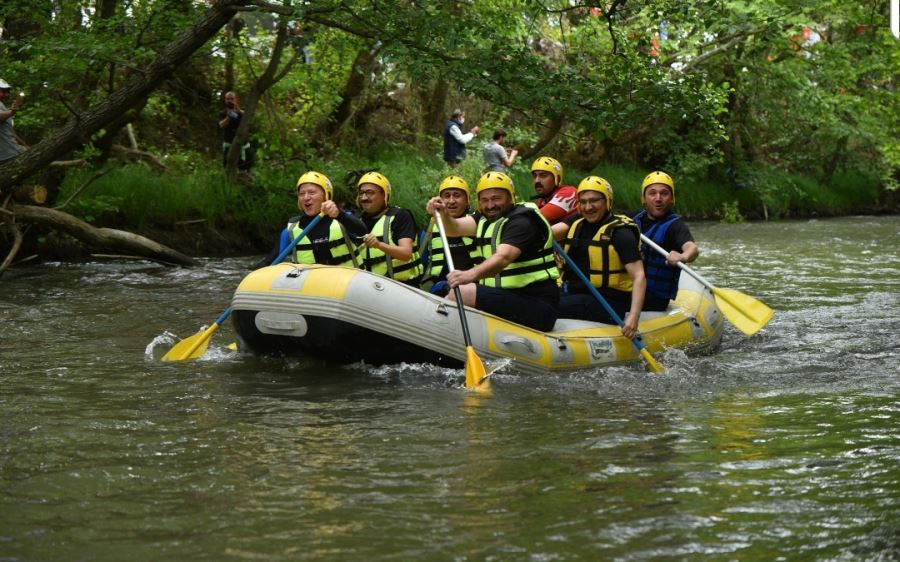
(517, 278)
(605, 247)
(389, 246)
(229, 121)
(659, 223)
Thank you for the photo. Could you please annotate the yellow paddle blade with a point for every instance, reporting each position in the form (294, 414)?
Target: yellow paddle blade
(191, 347)
(652, 364)
(746, 313)
(475, 373)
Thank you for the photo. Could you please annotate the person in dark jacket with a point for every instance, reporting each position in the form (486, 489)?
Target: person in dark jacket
(454, 140)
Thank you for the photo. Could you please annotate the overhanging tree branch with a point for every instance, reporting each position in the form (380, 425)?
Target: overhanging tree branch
(80, 126)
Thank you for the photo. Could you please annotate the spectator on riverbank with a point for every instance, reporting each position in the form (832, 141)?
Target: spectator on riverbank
(454, 140)
(497, 157)
(229, 121)
(10, 144)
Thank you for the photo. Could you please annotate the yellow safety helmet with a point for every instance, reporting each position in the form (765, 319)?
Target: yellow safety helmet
(454, 182)
(496, 180)
(552, 165)
(318, 179)
(596, 183)
(380, 181)
(658, 177)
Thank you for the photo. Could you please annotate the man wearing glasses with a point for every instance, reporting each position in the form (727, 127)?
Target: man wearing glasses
(605, 246)
(389, 247)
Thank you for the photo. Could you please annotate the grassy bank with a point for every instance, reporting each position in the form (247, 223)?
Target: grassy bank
(199, 200)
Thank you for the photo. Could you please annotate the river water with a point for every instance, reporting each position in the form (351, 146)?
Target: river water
(782, 446)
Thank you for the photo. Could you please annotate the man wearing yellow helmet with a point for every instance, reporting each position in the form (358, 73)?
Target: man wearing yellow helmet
(388, 248)
(606, 247)
(454, 191)
(555, 200)
(517, 278)
(329, 242)
(659, 223)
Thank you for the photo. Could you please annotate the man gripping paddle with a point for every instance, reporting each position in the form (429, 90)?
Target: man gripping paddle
(661, 224)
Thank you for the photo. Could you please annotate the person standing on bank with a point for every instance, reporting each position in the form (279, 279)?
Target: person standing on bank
(555, 200)
(330, 241)
(606, 248)
(497, 157)
(229, 121)
(388, 247)
(661, 224)
(10, 144)
(454, 140)
(517, 278)
(454, 191)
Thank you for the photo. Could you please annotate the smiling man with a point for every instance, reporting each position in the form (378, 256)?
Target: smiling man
(517, 278)
(605, 247)
(661, 224)
(454, 191)
(389, 247)
(329, 242)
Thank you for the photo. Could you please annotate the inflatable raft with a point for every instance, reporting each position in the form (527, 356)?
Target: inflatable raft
(348, 315)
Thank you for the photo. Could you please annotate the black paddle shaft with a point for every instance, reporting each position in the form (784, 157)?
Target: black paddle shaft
(462, 316)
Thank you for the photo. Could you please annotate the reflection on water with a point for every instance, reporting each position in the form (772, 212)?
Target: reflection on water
(780, 445)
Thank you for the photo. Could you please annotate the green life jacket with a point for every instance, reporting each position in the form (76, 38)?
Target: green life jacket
(338, 245)
(376, 261)
(525, 270)
(436, 259)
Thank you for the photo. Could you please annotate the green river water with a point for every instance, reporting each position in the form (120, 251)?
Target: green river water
(781, 446)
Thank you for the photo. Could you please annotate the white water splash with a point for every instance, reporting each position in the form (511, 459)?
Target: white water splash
(167, 339)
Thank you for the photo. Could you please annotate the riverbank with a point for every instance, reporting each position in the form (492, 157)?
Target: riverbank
(199, 212)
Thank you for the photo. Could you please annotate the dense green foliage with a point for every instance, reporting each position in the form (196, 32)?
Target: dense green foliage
(774, 107)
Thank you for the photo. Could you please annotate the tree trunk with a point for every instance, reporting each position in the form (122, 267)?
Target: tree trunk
(80, 127)
(353, 89)
(270, 76)
(836, 156)
(434, 112)
(547, 134)
(108, 239)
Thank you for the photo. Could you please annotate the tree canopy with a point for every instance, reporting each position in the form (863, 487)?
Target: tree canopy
(708, 87)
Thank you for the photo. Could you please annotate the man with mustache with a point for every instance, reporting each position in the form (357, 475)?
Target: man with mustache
(555, 200)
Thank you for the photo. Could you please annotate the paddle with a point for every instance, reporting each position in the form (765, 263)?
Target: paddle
(194, 346)
(743, 311)
(652, 363)
(475, 375)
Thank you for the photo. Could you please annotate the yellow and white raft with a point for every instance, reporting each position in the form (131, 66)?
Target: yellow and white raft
(349, 315)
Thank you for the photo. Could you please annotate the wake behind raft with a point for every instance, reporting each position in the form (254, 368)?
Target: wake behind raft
(347, 315)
